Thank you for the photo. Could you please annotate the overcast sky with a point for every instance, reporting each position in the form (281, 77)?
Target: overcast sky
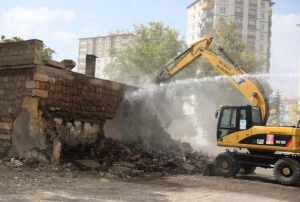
(59, 24)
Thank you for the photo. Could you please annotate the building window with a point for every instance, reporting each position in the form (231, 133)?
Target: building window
(118, 45)
(261, 47)
(222, 9)
(99, 54)
(238, 32)
(193, 27)
(90, 41)
(89, 48)
(253, 3)
(99, 61)
(194, 17)
(118, 38)
(107, 39)
(82, 48)
(99, 40)
(251, 45)
(194, 7)
(261, 37)
(193, 37)
(83, 41)
(106, 46)
(252, 24)
(238, 10)
(251, 35)
(100, 47)
(105, 61)
(106, 53)
(252, 13)
(262, 16)
(98, 68)
(81, 55)
(263, 5)
(239, 22)
(262, 26)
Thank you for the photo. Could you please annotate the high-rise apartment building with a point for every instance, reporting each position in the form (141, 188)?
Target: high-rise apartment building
(253, 19)
(99, 46)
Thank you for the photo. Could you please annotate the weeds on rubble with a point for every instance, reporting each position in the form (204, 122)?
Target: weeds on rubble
(75, 175)
(63, 174)
(27, 175)
(47, 175)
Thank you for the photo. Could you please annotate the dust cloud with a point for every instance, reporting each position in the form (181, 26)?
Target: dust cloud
(182, 110)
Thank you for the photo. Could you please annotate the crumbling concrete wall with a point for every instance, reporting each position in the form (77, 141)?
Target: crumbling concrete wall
(46, 108)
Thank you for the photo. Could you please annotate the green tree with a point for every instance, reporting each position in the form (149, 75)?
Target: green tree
(47, 52)
(154, 45)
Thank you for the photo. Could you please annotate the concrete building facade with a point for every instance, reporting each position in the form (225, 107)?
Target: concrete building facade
(99, 46)
(253, 19)
(289, 109)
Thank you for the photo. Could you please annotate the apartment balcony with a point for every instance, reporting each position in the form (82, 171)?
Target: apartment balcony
(270, 24)
(239, 13)
(207, 5)
(239, 2)
(251, 36)
(270, 13)
(252, 26)
(207, 15)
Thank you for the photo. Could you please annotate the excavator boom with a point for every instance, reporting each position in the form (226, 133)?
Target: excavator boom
(247, 85)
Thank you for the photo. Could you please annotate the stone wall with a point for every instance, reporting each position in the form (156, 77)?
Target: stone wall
(21, 53)
(46, 108)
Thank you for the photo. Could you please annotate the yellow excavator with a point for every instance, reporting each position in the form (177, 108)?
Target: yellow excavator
(244, 127)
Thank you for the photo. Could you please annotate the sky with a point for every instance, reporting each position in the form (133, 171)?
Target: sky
(59, 24)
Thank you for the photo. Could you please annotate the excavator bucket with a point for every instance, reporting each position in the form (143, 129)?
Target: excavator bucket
(210, 170)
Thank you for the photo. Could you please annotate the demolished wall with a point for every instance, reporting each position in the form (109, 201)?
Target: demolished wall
(46, 108)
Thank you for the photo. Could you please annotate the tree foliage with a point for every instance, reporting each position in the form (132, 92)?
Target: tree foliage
(47, 52)
(154, 45)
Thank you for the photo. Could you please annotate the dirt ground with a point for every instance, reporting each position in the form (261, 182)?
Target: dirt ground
(58, 184)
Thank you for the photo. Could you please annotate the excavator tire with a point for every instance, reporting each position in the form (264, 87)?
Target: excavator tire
(287, 171)
(226, 164)
(247, 169)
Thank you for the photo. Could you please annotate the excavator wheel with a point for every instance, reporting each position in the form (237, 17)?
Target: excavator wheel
(287, 171)
(247, 169)
(226, 164)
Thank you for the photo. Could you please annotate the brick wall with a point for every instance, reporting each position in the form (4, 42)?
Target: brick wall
(46, 109)
(12, 92)
(21, 53)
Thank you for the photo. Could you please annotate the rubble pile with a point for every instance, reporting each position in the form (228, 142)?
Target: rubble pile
(134, 159)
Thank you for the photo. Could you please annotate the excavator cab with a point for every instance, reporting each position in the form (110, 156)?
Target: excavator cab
(237, 118)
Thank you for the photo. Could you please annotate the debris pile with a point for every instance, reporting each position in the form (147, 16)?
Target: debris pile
(120, 159)
(136, 160)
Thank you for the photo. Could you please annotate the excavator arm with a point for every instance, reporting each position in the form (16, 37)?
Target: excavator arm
(247, 85)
